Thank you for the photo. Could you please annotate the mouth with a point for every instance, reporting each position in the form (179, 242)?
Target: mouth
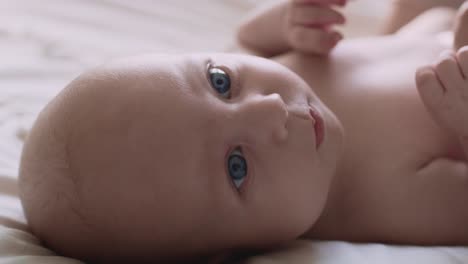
(318, 124)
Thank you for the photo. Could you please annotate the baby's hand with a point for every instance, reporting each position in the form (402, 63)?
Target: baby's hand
(308, 25)
(443, 88)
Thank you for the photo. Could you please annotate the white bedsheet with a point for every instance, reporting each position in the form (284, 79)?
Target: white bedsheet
(44, 44)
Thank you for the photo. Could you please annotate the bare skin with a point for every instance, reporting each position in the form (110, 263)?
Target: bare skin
(152, 177)
(416, 180)
(404, 11)
(157, 170)
(362, 82)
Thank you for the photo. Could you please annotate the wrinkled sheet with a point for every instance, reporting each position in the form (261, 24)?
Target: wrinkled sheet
(44, 44)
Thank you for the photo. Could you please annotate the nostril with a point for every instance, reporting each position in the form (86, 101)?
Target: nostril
(281, 134)
(279, 101)
(286, 112)
(279, 114)
(299, 111)
(275, 97)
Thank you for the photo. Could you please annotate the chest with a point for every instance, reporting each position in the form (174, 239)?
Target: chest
(389, 134)
(369, 85)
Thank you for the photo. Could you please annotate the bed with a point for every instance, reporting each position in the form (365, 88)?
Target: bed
(44, 44)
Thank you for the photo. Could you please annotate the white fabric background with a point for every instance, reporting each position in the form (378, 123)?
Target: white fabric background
(44, 44)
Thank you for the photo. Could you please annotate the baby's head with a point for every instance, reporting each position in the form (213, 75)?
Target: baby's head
(192, 155)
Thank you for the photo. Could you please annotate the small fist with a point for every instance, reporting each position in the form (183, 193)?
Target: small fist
(443, 88)
(308, 25)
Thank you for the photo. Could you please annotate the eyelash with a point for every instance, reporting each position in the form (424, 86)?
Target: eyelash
(245, 183)
(229, 72)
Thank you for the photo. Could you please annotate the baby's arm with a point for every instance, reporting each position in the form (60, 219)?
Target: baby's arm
(302, 25)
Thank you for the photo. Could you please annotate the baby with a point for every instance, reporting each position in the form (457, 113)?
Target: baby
(171, 158)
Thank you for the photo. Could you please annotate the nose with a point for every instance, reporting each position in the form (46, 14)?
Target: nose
(264, 118)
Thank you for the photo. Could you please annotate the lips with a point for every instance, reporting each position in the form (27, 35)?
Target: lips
(319, 128)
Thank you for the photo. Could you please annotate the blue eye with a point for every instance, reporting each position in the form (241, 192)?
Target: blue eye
(237, 167)
(220, 81)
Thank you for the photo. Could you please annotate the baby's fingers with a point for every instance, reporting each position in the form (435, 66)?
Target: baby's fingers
(322, 2)
(313, 40)
(435, 98)
(462, 56)
(429, 87)
(444, 90)
(310, 26)
(449, 72)
(312, 15)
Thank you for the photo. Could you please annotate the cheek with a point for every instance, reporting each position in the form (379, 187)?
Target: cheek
(287, 203)
(292, 89)
(273, 78)
(304, 192)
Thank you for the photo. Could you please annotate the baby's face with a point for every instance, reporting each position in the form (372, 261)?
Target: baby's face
(205, 151)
